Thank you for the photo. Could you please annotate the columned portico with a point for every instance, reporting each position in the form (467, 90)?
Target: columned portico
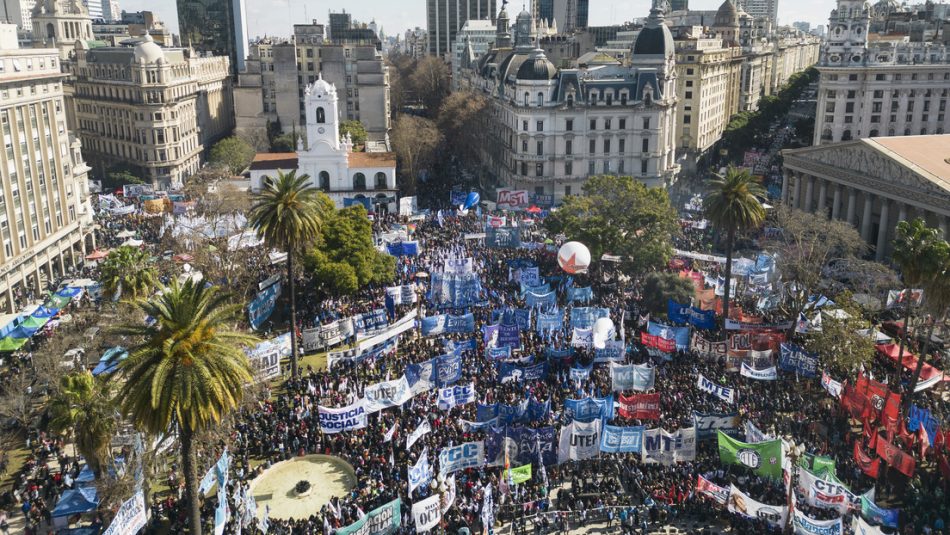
(882, 230)
(852, 200)
(822, 195)
(836, 203)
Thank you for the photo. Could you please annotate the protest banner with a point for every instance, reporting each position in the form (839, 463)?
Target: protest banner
(640, 406)
(347, 418)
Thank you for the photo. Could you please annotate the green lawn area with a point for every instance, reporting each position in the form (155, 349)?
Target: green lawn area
(16, 458)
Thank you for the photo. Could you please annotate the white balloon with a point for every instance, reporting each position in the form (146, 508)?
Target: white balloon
(574, 257)
(603, 331)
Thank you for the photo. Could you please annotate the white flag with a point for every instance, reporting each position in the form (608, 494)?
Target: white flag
(417, 434)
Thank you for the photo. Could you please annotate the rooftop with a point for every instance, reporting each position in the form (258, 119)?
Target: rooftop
(372, 159)
(926, 155)
(274, 160)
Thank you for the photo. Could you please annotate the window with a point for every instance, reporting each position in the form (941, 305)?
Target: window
(540, 126)
(524, 126)
(607, 124)
(359, 182)
(380, 180)
(539, 169)
(524, 146)
(590, 168)
(849, 107)
(607, 167)
(689, 94)
(622, 147)
(643, 166)
(568, 168)
(540, 99)
(689, 72)
(569, 147)
(567, 190)
(593, 124)
(646, 123)
(879, 77)
(524, 168)
(852, 77)
(878, 93)
(569, 125)
(851, 93)
(526, 97)
(646, 145)
(606, 146)
(593, 147)
(540, 147)
(321, 116)
(324, 181)
(622, 124)
(686, 119)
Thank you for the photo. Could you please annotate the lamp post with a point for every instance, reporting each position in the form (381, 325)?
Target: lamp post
(795, 451)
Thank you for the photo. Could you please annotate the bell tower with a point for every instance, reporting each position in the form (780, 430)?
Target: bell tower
(847, 39)
(322, 114)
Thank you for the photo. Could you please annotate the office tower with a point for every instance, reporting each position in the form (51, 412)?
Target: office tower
(45, 217)
(679, 5)
(767, 9)
(94, 7)
(216, 26)
(570, 15)
(446, 17)
(19, 12)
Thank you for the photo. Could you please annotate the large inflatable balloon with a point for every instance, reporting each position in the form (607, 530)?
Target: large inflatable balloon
(471, 200)
(574, 257)
(603, 331)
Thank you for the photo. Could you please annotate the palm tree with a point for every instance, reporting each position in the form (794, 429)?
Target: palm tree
(734, 203)
(915, 252)
(128, 271)
(84, 406)
(288, 214)
(188, 370)
(937, 295)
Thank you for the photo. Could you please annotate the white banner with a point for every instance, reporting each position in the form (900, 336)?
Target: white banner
(455, 458)
(579, 441)
(402, 295)
(456, 395)
(753, 434)
(831, 386)
(402, 325)
(448, 497)
(863, 528)
(130, 518)
(808, 526)
(765, 374)
(386, 394)
(741, 504)
(418, 433)
(827, 493)
(722, 392)
(427, 513)
(347, 418)
(420, 473)
(662, 447)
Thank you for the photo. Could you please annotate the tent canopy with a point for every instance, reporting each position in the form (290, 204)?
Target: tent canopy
(110, 360)
(11, 344)
(35, 322)
(76, 501)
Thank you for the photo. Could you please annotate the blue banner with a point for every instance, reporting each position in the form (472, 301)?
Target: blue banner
(459, 290)
(520, 317)
(498, 353)
(464, 345)
(584, 317)
(539, 289)
(503, 237)
(511, 373)
(615, 439)
(362, 201)
(878, 515)
(457, 197)
(370, 322)
(541, 300)
(550, 322)
(917, 417)
(530, 276)
(441, 371)
(613, 351)
(521, 444)
(403, 248)
(509, 336)
(795, 359)
(702, 319)
(679, 334)
(448, 324)
(589, 409)
(677, 312)
(262, 306)
(555, 354)
(582, 295)
(580, 374)
(708, 423)
(524, 412)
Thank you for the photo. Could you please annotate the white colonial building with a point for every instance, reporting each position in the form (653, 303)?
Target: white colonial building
(347, 177)
(557, 127)
(889, 87)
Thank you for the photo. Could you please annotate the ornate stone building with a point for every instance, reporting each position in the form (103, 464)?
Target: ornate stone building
(553, 127)
(60, 24)
(872, 183)
(149, 109)
(881, 87)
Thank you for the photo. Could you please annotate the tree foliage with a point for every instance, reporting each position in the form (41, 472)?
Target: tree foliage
(128, 272)
(659, 287)
(344, 258)
(356, 130)
(415, 140)
(83, 405)
(117, 178)
(430, 82)
(462, 119)
(620, 216)
(838, 344)
(284, 143)
(232, 153)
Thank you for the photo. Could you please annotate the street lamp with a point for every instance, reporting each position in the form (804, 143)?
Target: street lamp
(795, 451)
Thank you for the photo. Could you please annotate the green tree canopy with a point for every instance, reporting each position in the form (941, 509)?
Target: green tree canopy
(128, 272)
(838, 344)
(84, 406)
(356, 130)
(232, 153)
(660, 287)
(620, 216)
(344, 258)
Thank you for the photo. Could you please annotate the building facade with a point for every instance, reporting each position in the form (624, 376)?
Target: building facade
(45, 217)
(881, 88)
(416, 44)
(446, 17)
(556, 127)
(762, 9)
(19, 12)
(150, 110)
(473, 40)
(345, 176)
(872, 183)
(215, 26)
(60, 24)
(569, 15)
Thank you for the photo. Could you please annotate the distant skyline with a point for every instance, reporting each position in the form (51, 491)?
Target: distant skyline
(277, 17)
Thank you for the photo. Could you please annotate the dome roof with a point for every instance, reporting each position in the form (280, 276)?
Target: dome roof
(727, 15)
(524, 15)
(537, 67)
(321, 86)
(148, 51)
(654, 40)
(511, 64)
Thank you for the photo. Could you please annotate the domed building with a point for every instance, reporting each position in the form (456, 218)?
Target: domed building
(148, 109)
(60, 24)
(559, 126)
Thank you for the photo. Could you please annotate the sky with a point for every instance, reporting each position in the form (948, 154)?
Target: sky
(277, 17)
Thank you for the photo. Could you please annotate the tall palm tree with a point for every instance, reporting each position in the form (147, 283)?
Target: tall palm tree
(188, 370)
(734, 203)
(937, 298)
(84, 406)
(915, 253)
(128, 271)
(288, 214)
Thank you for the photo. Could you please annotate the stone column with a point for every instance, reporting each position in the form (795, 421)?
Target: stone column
(822, 194)
(62, 264)
(11, 306)
(882, 230)
(852, 199)
(866, 217)
(785, 187)
(901, 211)
(836, 203)
(37, 283)
(807, 205)
(798, 190)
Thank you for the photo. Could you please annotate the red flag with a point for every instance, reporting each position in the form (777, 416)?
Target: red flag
(896, 458)
(854, 402)
(890, 427)
(640, 406)
(868, 465)
(924, 440)
(944, 467)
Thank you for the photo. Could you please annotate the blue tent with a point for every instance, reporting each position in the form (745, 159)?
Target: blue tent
(69, 292)
(22, 332)
(76, 501)
(45, 312)
(110, 360)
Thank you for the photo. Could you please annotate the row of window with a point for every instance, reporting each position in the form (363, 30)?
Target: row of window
(608, 168)
(606, 122)
(592, 143)
(359, 181)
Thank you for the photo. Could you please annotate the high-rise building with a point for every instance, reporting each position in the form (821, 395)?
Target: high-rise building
(679, 5)
(446, 17)
(94, 7)
(45, 217)
(761, 9)
(19, 12)
(150, 110)
(216, 26)
(889, 87)
(473, 40)
(111, 11)
(570, 15)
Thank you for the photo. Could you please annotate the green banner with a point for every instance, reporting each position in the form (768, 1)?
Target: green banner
(380, 521)
(521, 474)
(765, 458)
(817, 464)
